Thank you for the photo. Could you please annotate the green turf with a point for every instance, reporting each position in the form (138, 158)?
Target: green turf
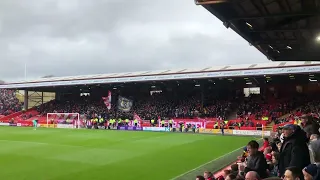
(44, 154)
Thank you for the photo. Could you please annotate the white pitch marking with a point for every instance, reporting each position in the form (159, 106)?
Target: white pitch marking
(204, 164)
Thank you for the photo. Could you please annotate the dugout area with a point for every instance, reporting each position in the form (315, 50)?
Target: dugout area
(283, 30)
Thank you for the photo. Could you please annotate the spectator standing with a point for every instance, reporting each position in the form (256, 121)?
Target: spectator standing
(315, 148)
(294, 151)
(256, 160)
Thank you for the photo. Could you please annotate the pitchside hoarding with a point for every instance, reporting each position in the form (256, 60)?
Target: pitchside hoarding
(251, 133)
(215, 131)
(156, 129)
(4, 124)
(129, 128)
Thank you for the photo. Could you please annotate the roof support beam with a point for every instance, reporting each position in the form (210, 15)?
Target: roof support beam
(275, 15)
(205, 2)
(285, 30)
(277, 42)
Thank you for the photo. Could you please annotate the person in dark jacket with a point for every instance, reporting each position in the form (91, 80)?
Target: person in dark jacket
(294, 150)
(310, 125)
(256, 160)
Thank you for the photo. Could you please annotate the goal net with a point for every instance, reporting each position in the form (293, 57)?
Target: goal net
(64, 120)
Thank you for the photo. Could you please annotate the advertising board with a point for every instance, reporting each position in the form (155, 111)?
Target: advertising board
(251, 133)
(156, 129)
(64, 126)
(25, 124)
(129, 128)
(205, 131)
(4, 124)
(214, 131)
(48, 125)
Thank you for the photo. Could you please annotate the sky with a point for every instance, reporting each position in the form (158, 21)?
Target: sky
(79, 37)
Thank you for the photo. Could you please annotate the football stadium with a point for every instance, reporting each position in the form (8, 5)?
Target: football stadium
(249, 121)
(173, 124)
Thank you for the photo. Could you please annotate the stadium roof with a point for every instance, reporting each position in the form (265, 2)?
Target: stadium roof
(283, 30)
(179, 74)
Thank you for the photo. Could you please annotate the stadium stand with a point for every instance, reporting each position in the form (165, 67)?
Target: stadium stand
(8, 102)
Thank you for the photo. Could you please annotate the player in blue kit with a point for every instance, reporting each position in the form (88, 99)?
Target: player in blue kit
(35, 124)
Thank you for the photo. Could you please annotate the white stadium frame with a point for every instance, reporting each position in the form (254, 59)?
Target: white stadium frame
(180, 74)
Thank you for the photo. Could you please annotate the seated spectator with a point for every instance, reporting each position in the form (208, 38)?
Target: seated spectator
(294, 150)
(226, 173)
(275, 166)
(200, 178)
(293, 173)
(310, 172)
(208, 175)
(231, 177)
(256, 160)
(267, 153)
(234, 169)
(252, 175)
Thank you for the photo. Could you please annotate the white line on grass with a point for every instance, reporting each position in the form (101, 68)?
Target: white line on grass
(40, 143)
(205, 164)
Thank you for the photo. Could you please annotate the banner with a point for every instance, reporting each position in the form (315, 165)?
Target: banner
(251, 133)
(136, 117)
(124, 104)
(4, 124)
(129, 128)
(156, 129)
(107, 100)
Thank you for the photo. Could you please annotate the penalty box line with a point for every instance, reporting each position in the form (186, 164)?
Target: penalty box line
(185, 173)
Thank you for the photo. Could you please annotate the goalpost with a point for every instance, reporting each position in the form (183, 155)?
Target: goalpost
(64, 120)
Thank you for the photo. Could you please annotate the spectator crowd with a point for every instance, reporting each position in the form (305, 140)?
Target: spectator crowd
(151, 107)
(292, 154)
(9, 102)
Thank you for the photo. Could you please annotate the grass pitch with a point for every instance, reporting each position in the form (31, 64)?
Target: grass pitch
(68, 154)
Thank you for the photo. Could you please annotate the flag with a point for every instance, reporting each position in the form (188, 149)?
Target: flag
(107, 100)
(136, 116)
(124, 104)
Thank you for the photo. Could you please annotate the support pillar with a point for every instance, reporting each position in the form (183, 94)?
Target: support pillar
(26, 100)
